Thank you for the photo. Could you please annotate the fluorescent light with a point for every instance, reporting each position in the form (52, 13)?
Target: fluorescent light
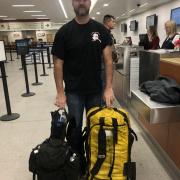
(3, 16)
(9, 19)
(93, 18)
(105, 5)
(62, 6)
(42, 18)
(23, 5)
(32, 11)
(93, 3)
(123, 14)
(98, 13)
(38, 15)
(132, 10)
(145, 4)
(117, 17)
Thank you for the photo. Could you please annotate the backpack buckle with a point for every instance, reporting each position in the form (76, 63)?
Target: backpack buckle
(101, 156)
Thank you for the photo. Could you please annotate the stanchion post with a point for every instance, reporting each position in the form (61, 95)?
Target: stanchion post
(21, 64)
(17, 54)
(6, 61)
(9, 116)
(49, 58)
(10, 50)
(43, 65)
(28, 93)
(36, 72)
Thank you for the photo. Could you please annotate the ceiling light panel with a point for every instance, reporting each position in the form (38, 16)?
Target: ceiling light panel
(38, 15)
(105, 5)
(143, 5)
(32, 11)
(3, 16)
(43, 18)
(63, 9)
(23, 5)
(9, 19)
(132, 10)
(93, 3)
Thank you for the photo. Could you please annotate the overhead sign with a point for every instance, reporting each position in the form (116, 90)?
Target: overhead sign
(2, 51)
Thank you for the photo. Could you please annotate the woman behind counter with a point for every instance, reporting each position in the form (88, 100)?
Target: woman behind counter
(153, 38)
(170, 27)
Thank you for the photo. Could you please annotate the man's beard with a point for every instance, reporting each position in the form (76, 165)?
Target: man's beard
(81, 11)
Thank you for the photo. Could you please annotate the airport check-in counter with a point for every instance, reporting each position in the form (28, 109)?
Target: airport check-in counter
(122, 73)
(162, 121)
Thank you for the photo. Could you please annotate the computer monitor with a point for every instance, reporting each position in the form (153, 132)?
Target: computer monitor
(175, 15)
(133, 25)
(123, 27)
(22, 46)
(144, 41)
(151, 20)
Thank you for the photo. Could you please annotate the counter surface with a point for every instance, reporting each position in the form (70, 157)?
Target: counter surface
(152, 111)
(175, 61)
(151, 104)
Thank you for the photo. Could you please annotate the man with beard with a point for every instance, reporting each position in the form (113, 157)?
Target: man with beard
(77, 51)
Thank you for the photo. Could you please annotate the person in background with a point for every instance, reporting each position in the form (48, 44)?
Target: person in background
(77, 52)
(110, 23)
(153, 38)
(170, 27)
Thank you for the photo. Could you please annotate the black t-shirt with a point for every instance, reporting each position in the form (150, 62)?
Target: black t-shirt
(112, 37)
(80, 47)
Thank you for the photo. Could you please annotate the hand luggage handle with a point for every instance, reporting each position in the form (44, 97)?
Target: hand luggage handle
(63, 109)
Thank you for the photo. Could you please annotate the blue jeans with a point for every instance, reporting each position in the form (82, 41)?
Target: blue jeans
(76, 104)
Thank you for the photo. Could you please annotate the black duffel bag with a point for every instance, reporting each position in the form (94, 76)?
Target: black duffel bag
(54, 160)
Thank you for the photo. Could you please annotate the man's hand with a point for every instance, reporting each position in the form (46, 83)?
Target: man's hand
(60, 101)
(108, 97)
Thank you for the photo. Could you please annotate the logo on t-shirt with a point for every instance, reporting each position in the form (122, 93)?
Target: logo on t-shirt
(95, 36)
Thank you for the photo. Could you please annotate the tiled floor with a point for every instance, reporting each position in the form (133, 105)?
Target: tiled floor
(19, 136)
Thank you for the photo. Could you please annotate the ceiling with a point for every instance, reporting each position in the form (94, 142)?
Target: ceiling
(53, 11)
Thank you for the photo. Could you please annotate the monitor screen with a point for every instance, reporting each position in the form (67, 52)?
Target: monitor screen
(133, 25)
(22, 46)
(124, 27)
(143, 41)
(175, 15)
(151, 20)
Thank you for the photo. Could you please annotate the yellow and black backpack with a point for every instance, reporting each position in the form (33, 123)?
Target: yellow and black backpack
(108, 146)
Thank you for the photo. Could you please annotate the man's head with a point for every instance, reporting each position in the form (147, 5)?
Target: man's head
(81, 7)
(109, 21)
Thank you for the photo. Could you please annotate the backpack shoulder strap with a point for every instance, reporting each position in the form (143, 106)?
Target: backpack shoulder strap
(34, 176)
(101, 149)
(115, 136)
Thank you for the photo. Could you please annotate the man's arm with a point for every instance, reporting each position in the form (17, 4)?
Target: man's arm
(58, 76)
(108, 92)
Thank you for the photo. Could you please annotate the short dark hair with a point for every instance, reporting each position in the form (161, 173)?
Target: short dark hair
(107, 17)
